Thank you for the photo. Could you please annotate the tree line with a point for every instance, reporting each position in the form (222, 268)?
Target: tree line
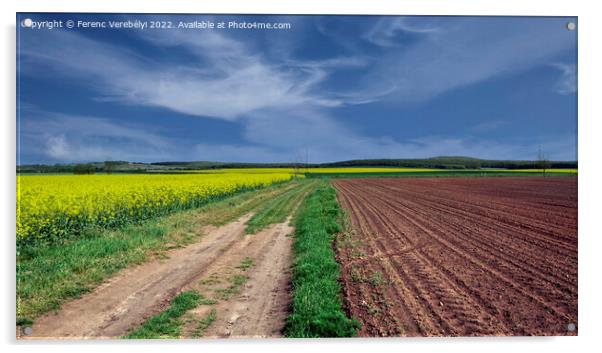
(436, 162)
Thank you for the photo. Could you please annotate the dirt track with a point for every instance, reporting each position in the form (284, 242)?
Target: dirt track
(460, 256)
(261, 307)
(135, 294)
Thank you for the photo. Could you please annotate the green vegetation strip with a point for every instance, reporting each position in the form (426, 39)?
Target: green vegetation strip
(279, 208)
(50, 274)
(167, 323)
(316, 306)
(204, 323)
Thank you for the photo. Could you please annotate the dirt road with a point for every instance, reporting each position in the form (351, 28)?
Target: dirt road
(257, 309)
(460, 256)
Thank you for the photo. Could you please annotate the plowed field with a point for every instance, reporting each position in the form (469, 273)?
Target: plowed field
(460, 256)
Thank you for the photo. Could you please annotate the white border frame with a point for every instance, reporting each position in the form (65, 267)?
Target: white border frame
(589, 167)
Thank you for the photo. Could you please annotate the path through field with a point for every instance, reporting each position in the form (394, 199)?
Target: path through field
(256, 309)
(460, 256)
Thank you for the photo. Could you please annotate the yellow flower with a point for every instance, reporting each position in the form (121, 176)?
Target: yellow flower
(61, 204)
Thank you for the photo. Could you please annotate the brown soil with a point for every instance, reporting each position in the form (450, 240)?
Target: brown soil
(460, 256)
(260, 306)
(129, 298)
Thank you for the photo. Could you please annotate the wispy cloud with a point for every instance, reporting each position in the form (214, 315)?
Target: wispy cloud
(227, 82)
(231, 78)
(567, 83)
(467, 51)
(488, 126)
(285, 107)
(386, 31)
(73, 138)
(328, 139)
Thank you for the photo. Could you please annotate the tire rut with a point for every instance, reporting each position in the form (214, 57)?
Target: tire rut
(443, 251)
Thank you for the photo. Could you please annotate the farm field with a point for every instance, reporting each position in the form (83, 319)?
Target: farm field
(89, 287)
(202, 175)
(51, 207)
(460, 256)
(229, 253)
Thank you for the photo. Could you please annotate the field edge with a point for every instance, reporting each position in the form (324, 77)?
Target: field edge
(316, 309)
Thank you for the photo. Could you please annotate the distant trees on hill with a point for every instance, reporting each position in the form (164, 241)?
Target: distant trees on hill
(84, 169)
(436, 162)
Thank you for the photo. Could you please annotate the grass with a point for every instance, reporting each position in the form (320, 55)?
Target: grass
(245, 264)
(204, 323)
(213, 279)
(233, 289)
(228, 210)
(167, 323)
(316, 305)
(51, 274)
(206, 301)
(376, 279)
(57, 273)
(278, 209)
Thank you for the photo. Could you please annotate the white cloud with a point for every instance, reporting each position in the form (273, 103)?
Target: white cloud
(282, 106)
(487, 126)
(386, 30)
(228, 82)
(233, 78)
(69, 138)
(567, 83)
(57, 147)
(328, 139)
(467, 51)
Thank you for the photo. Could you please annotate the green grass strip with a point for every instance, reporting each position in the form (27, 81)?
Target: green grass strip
(316, 305)
(53, 274)
(167, 323)
(279, 208)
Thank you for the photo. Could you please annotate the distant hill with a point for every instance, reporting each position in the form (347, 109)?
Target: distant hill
(449, 162)
(442, 162)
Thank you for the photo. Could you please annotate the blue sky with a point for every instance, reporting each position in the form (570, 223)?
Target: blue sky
(334, 87)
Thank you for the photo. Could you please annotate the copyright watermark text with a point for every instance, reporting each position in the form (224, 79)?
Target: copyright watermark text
(139, 24)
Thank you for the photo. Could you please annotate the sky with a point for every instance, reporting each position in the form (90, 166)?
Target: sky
(330, 88)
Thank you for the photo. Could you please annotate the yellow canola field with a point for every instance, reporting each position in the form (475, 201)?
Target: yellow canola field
(55, 206)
